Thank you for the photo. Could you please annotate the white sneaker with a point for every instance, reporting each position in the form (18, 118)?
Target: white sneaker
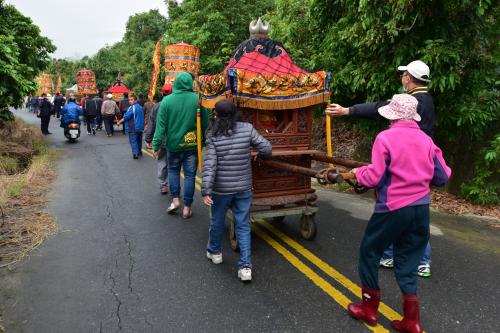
(245, 274)
(216, 258)
(424, 271)
(387, 263)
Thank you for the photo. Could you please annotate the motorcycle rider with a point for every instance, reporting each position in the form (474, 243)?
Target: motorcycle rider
(71, 112)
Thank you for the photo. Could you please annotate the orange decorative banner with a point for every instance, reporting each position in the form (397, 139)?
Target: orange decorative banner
(181, 57)
(85, 80)
(44, 82)
(156, 71)
(59, 84)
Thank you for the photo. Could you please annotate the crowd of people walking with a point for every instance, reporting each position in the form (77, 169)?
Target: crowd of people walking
(405, 162)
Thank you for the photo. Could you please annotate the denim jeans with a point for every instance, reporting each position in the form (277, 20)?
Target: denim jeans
(239, 203)
(426, 259)
(188, 160)
(162, 164)
(91, 123)
(135, 140)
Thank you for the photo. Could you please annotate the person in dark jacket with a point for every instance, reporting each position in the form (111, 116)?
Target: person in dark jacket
(227, 181)
(162, 161)
(34, 104)
(414, 79)
(141, 101)
(98, 119)
(58, 104)
(45, 112)
(123, 105)
(92, 108)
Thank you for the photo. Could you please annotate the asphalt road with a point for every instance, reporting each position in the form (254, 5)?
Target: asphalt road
(121, 264)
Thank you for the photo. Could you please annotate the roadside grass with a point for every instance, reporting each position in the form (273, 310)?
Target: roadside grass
(9, 165)
(24, 222)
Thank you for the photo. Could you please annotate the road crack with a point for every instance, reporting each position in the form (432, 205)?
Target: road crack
(131, 262)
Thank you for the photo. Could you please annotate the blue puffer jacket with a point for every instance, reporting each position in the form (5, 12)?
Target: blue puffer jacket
(227, 165)
(70, 112)
(134, 119)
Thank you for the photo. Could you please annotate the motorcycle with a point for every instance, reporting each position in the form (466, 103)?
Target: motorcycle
(72, 131)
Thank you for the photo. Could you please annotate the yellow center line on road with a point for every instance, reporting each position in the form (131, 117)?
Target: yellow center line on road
(334, 293)
(385, 310)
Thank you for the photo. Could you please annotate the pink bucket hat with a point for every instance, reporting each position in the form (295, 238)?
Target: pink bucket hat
(402, 106)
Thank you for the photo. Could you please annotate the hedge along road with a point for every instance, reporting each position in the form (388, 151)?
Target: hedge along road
(120, 263)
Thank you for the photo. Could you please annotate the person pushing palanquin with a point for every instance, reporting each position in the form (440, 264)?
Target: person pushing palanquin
(278, 98)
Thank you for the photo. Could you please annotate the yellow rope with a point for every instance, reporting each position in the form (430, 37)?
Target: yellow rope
(198, 136)
(329, 149)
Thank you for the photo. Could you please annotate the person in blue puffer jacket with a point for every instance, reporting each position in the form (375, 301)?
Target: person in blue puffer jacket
(133, 121)
(71, 112)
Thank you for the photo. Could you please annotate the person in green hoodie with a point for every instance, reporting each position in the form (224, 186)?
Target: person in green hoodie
(176, 121)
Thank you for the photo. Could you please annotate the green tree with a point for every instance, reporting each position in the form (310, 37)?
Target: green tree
(23, 54)
(291, 24)
(216, 27)
(362, 43)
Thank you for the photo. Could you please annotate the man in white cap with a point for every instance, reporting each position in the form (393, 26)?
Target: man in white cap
(109, 110)
(414, 79)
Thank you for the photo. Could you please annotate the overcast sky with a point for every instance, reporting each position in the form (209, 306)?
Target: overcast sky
(82, 27)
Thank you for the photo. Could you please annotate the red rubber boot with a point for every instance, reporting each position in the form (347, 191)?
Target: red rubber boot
(411, 318)
(367, 310)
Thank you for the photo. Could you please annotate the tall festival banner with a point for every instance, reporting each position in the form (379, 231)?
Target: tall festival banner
(59, 84)
(181, 57)
(86, 82)
(156, 71)
(44, 82)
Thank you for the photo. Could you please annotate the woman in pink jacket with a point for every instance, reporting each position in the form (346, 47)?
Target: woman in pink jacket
(405, 162)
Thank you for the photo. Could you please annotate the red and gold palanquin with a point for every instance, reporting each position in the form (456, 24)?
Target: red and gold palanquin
(278, 98)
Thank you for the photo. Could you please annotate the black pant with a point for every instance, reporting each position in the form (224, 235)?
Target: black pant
(99, 121)
(90, 123)
(44, 126)
(108, 124)
(408, 229)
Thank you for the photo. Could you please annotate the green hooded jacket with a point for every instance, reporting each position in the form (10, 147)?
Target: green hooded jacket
(176, 119)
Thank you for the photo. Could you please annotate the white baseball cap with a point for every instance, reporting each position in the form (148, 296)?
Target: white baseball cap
(109, 96)
(418, 69)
